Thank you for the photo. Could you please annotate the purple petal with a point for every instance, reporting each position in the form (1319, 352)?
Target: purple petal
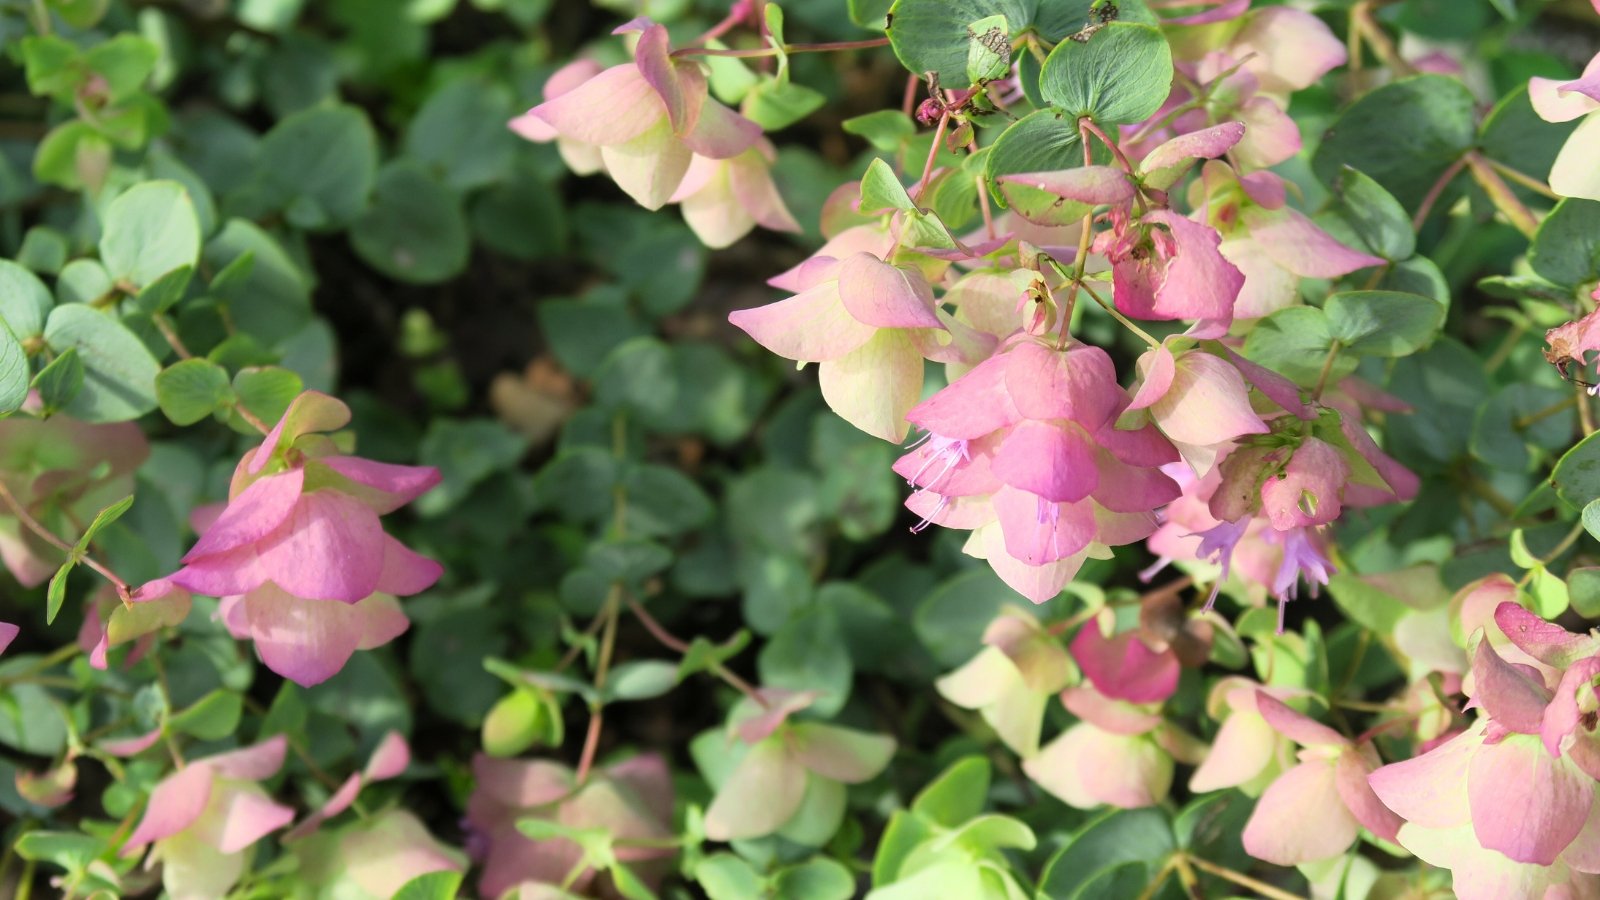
(1056, 462)
(970, 407)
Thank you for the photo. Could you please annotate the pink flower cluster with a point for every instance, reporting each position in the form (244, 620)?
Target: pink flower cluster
(298, 556)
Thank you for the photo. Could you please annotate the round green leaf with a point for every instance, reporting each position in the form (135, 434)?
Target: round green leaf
(119, 374)
(1121, 73)
(1383, 323)
(1403, 135)
(1566, 248)
(808, 654)
(24, 300)
(149, 230)
(190, 390)
(415, 230)
(14, 372)
(1577, 475)
(319, 165)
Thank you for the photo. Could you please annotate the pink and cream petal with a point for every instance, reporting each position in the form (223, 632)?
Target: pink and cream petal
(252, 515)
(1430, 790)
(650, 166)
(761, 794)
(306, 641)
(1300, 818)
(811, 326)
(874, 386)
(175, 804)
(839, 754)
(1526, 804)
(613, 107)
(331, 548)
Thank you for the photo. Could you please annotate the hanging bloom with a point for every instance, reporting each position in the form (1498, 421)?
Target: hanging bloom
(860, 318)
(1509, 805)
(1199, 400)
(1272, 243)
(1024, 452)
(376, 855)
(645, 120)
(1012, 679)
(1123, 667)
(766, 769)
(1261, 59)
(1576, 172)
(632, 800)
(1315, 810)
(204, 817)
(1247, 752)
(60, 470)
(1165, 266)
(722, 199)
(1573, 342)
(1121, 754)
(298, 554)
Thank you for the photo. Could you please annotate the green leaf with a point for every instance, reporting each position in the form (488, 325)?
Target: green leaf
(870, 14)
(1042, 141)
(24, 300)
(80, 13)
(51, 65)
(57, 383)
(1294, 342)
(160, 295)
(460, 135)
(148, 231)
(266, 392)
(14, 369)
(1591, 519)
(933, 35)
(1403, 135)
(638, 377)
(1114, 882)
(72, 155)
(101, 520)
(68, 849)
(190, 390)
(1577, 475)
(1365, 603)
(415, 230)
(1133, 835)
(319, 165)
(1566, 248)
(703, 655)
(1374, 215)
(988, 49)
(642, 679)
(44, 250)
(56, 593)
(1583, 585)
(1383, 323)
(775, 103)
(1121, 74)
(441, 885)
(950, 622)
(212, 717)
(806, 654)
(818, 878)
(123, 63)
(958, 794)
(724, 876)
(271, 298)
(119, 373)
(881, 190)
(885, 129)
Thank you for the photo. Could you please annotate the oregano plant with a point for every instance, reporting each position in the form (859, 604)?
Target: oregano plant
(1051, 449)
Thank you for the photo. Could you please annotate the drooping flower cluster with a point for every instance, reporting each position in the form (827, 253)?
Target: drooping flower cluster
(1510, 804)
(298, 556)
(652, 126)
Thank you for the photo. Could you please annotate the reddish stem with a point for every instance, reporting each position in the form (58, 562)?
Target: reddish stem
(1087, 124)
(1434, 193)
(791, 49)
(933, 155)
